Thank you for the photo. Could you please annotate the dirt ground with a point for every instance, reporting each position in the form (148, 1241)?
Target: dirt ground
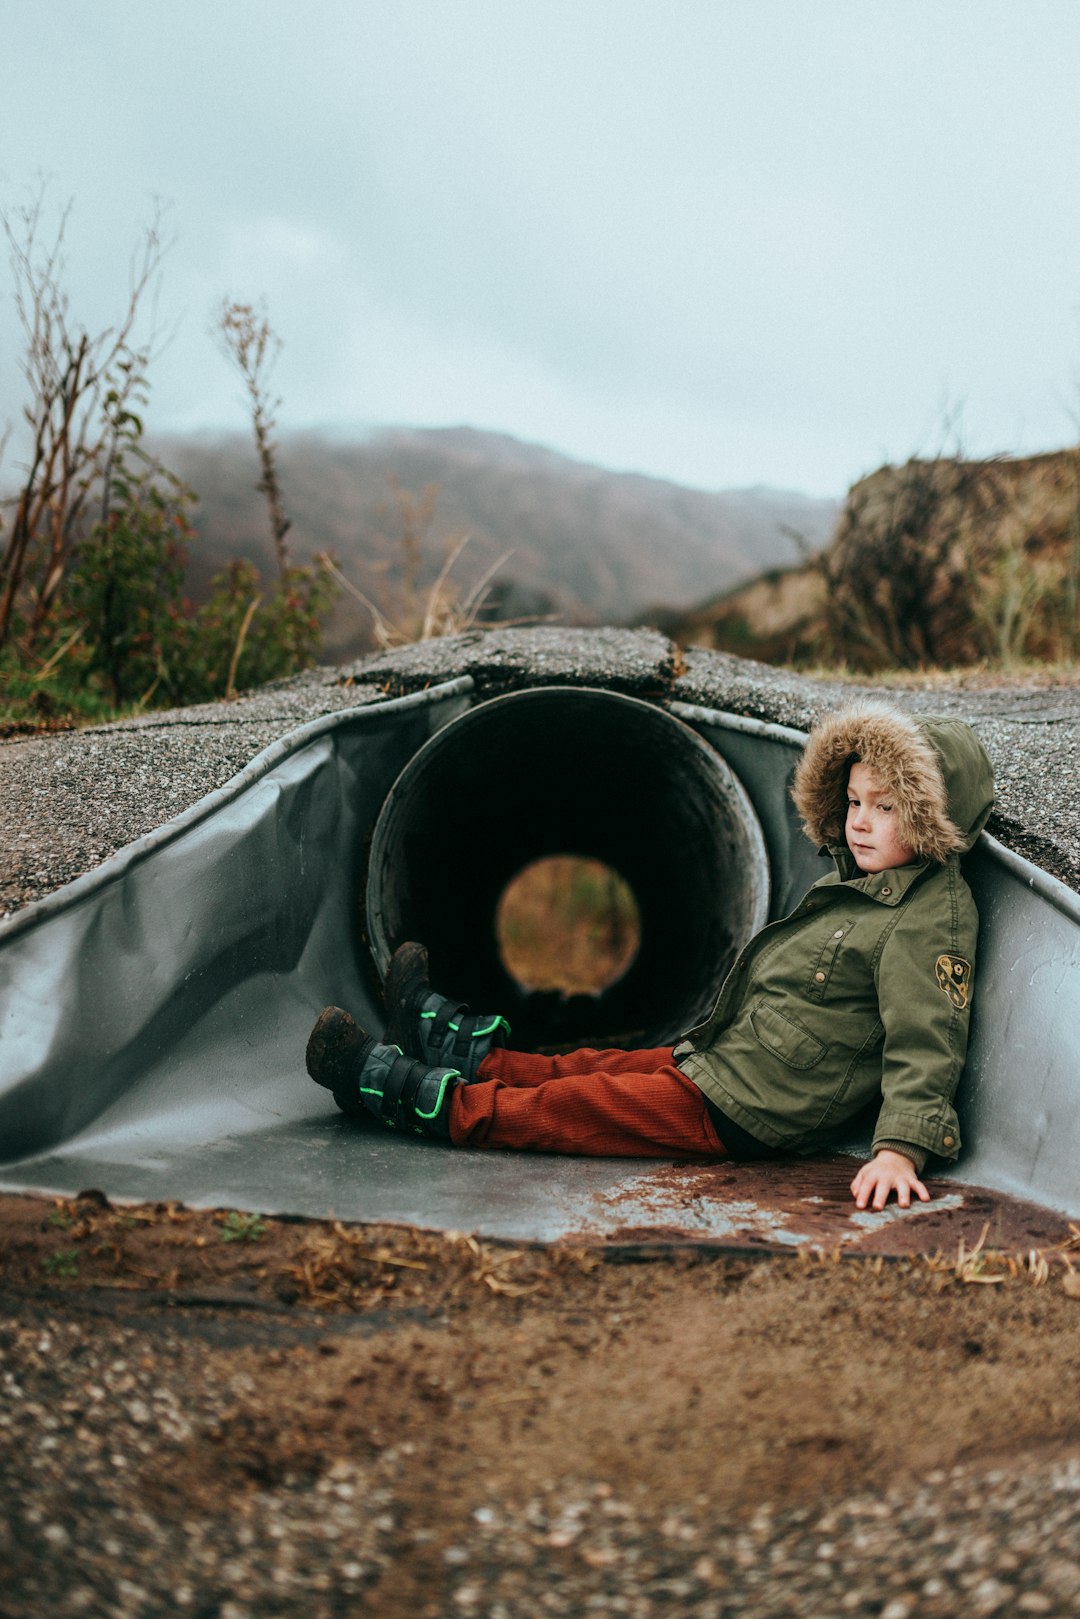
(421, 1424)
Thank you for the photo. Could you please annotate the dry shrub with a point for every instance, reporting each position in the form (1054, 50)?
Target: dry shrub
(952, 562)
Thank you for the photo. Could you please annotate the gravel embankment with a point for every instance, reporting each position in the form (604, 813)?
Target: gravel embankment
(72, 799)
(103, 1426)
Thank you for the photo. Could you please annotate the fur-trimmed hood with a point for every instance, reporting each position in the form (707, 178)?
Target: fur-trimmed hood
(936, 769)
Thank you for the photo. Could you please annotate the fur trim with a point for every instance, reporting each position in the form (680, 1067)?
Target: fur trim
(906, 763)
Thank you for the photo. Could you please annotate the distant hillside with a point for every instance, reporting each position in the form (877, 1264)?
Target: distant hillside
(942, 561)
(779, 617)
(587, 545)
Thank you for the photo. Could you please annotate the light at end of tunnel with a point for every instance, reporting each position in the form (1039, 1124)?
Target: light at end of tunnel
(567, 924)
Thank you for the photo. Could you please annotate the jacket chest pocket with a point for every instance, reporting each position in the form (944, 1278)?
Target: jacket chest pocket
(824, 966)
(786, 1037)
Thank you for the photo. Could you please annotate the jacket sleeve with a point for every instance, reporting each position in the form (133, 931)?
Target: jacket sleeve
(925, 978)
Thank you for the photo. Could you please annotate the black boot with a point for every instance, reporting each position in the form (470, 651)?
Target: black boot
(368, 1078)
(431, 1028)
(335, 1054)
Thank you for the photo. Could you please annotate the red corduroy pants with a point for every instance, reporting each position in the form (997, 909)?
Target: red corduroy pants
(607, 1104)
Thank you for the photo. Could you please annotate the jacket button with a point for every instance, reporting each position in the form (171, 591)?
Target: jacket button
(886, 891)
(948, 1141)
(839, 934)
(819, 978)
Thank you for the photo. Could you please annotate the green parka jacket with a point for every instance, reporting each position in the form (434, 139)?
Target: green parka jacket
(863, 993)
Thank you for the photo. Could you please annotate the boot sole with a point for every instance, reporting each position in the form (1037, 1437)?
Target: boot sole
(335, 1045)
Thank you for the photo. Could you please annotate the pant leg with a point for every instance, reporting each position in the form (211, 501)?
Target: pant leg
(529, 1068)
(613, 1112)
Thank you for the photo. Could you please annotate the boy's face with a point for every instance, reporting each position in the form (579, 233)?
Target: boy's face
(870, 828)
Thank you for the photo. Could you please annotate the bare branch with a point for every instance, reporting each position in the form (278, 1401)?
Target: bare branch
(247, 340)
(70, 374)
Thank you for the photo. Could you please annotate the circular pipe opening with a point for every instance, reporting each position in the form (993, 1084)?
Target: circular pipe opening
(567, 770)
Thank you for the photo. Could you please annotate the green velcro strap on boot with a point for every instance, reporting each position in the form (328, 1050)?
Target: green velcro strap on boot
(450, 1032)
(408, 1094)
(431, 1105)
(438, 1025)
(396, 1085)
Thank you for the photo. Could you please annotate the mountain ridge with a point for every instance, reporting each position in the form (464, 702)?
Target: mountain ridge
(588, 545)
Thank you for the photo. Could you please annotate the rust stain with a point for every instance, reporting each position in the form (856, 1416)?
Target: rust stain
(787, 1205)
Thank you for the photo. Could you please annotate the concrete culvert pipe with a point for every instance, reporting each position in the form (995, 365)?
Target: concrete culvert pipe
(587, 773)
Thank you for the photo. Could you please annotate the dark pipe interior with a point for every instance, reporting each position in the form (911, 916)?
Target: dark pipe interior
(571, 771)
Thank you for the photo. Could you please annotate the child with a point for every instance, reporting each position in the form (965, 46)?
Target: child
(861, 995)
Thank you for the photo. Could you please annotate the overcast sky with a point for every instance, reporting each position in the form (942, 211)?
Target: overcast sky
(726, 242)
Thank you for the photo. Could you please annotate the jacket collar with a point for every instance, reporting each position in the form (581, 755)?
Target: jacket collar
(887, 887)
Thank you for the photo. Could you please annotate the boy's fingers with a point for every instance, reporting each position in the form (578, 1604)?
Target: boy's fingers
(872, 1188)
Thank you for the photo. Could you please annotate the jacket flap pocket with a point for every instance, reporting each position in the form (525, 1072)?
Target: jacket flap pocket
(786, 1037)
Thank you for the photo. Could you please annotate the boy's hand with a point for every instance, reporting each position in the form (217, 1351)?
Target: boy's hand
(887, 1172)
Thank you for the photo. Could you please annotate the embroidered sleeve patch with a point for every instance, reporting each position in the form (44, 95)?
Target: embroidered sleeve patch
(954, 977)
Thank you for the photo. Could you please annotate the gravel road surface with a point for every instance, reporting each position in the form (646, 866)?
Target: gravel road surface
(71, 799)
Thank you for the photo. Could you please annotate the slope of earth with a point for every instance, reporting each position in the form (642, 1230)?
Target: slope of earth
(208, 1416)
(942, 561)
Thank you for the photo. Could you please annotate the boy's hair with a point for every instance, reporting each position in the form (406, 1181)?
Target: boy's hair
(903, 758)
